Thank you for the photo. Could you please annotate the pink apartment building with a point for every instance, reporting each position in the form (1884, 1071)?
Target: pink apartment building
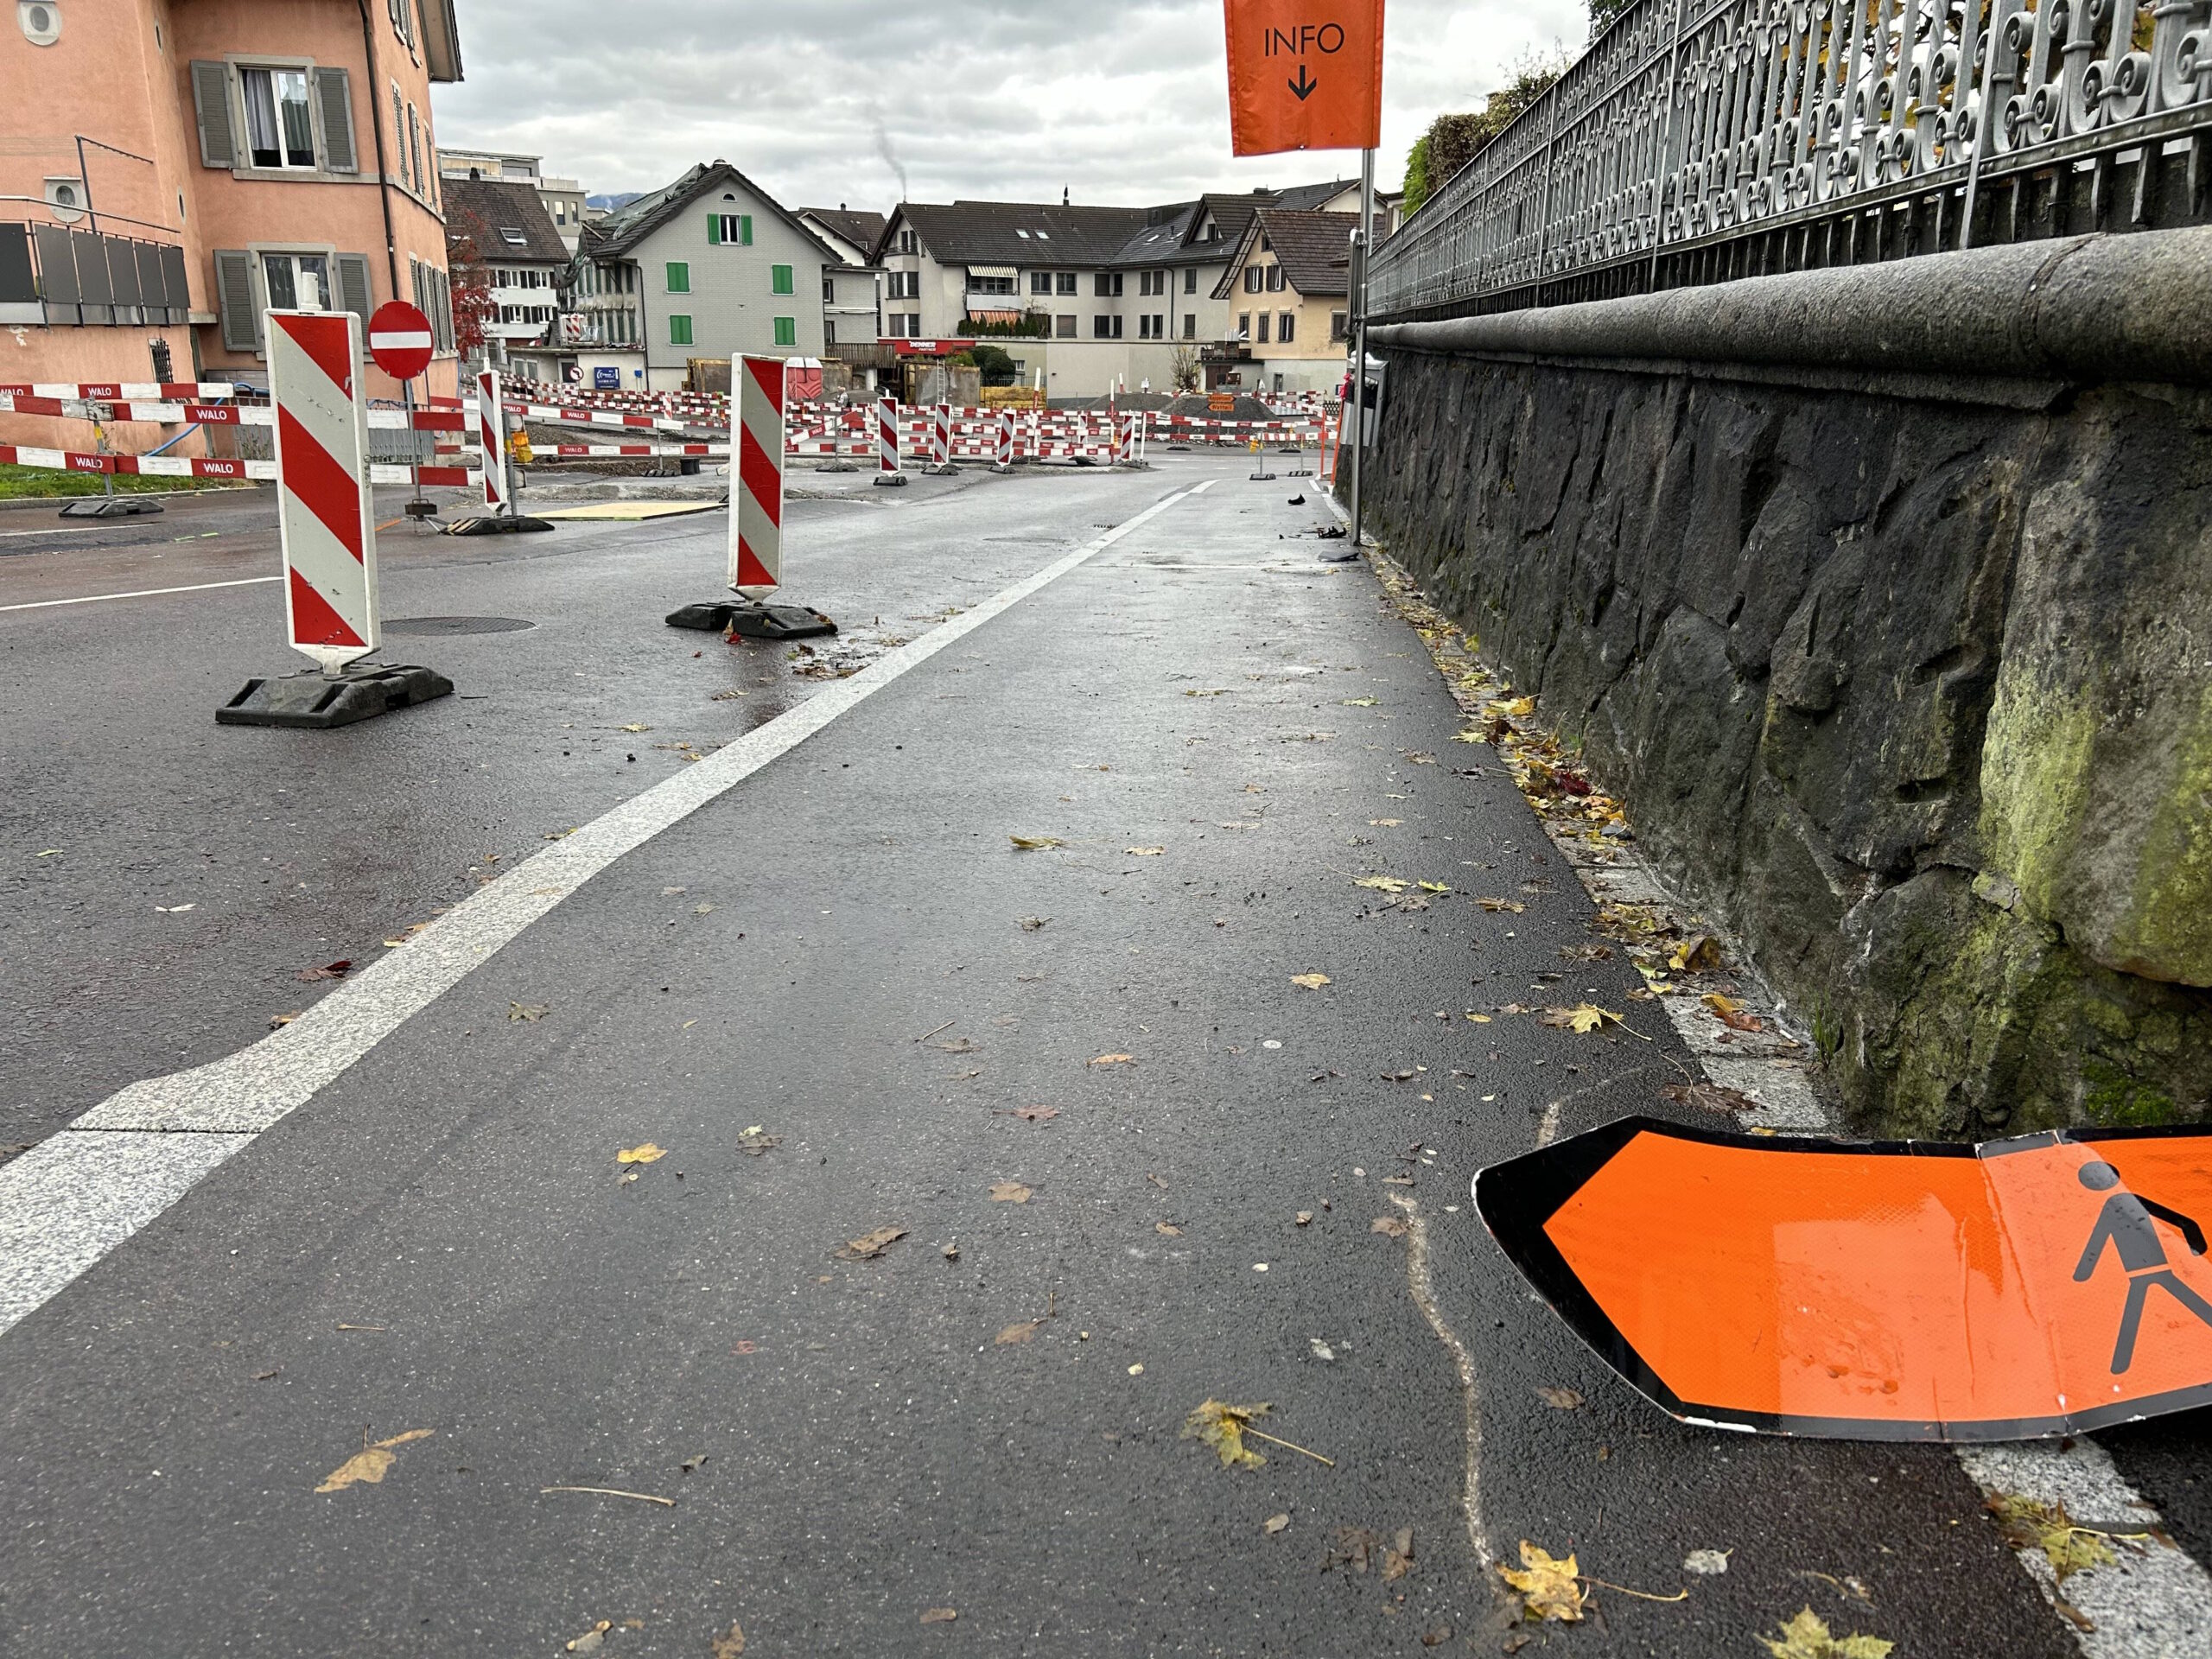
(171, 168)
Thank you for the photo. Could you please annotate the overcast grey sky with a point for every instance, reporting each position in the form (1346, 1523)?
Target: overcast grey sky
(1122, 103)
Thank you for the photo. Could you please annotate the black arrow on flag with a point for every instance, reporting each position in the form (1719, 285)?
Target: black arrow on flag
(1303, 88)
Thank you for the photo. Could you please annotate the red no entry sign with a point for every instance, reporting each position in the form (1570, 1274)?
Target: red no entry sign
(399, 340)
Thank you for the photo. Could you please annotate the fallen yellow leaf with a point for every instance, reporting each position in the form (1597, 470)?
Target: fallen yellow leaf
(1432, 886)
(1584, 1017)
(1113, 1059)
(1144, 852)
(368, 1466)
(1009, 1192)
(2030, 1523)
(940, 1615)
(1513, 905)
(1221, 1426)
(1480, 1019)
(648, 1154)
(1807, 1636)
(1382, 883)
(1036, 843)
(1310, 982)
(1547, 1584)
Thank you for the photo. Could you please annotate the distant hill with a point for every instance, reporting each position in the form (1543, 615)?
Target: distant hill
(614, 203)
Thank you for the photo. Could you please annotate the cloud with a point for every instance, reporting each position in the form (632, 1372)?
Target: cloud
(826, 101)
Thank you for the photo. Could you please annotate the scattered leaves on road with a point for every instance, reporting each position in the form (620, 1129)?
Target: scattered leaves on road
(1144, 852)
(1584, 1017)
(1398, 1558)
(1389, 1226)
(1009, 1192)
(1432, 886)
(1035, 843)
(175, 910)
(1310, 982)
(1707, 1563)
(1303, 1217)
(1558, 1396)
(756, 1142)
(1357, 703)
(1221, 1426)
(648, 1154)
(337, 969)
(1276, 1523)
(634, 728)
(278, 1021)
(1513, 906)
(1167, 1230)
(1701, 955)
(940, 1615)
(528, 1010)
(1733, 1013)
(368, 1466)
(1807, 1636)
(1113, 1059)
(1385, 824)
(1032, 1114)
(1708, 1097)
(2030, 1523)
(868, 1246)
(1014, 1335)
(730, 1645)
(1548, 1586)
(1032, 923)
(1382, 883)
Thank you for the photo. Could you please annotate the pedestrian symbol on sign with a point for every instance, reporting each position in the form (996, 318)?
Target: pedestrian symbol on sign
(2125, 1224)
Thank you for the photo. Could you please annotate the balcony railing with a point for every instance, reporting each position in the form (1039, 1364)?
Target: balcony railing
(1701, 140)
(53, 275)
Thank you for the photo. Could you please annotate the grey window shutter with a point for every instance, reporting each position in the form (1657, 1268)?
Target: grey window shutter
(210, 97)
(333, 92)
(353, 282)
(234, 299)
(445, 311)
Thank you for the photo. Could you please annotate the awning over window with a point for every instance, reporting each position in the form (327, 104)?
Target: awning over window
(1007, 271)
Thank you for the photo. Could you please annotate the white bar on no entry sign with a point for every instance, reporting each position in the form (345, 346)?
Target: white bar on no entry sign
(395, 342)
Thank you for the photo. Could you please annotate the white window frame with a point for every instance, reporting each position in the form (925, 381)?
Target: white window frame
(239, 64)
(334, 301)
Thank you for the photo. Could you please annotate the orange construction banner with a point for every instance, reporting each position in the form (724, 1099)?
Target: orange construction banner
(1305, 74)
(1887, 1291)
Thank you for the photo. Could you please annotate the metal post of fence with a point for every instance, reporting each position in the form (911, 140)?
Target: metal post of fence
(1359, 339)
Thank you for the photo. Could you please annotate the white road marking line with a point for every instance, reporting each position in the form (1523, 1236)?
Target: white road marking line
(83, 1191)
(2154, 1605)
(59, 530)
(1463, 1363)
(1547, 1129)
(141, 593)
(2157, 1605)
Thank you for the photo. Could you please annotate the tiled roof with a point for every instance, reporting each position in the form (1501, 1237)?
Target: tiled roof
(623, 229)
(861, 228)
(1308, 197)
(1022, 233)
(484, 210)
(1314, 249)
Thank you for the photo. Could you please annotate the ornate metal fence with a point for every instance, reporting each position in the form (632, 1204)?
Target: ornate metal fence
(1696, 142)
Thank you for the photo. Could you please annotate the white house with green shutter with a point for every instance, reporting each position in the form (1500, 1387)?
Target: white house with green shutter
(711, 266)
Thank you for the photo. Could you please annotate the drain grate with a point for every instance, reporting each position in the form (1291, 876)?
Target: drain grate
(416, 624)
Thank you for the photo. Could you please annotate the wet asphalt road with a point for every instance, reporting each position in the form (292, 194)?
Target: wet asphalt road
(835, 951)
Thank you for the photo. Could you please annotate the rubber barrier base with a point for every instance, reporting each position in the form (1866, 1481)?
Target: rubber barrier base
(313, 701)
(506, 524)
(891, 480)
(751, 621)
(946, 471)
(109, 506)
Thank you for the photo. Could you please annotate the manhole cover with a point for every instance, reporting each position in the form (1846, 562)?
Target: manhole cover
(456, 625)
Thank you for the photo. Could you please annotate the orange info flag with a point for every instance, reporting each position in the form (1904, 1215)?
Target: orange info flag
(1884, 1291)
(1305, 74)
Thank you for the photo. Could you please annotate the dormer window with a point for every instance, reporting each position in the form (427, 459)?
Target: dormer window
(513, 236)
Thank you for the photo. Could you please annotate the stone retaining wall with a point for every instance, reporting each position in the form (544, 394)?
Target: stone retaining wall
(1901, 662)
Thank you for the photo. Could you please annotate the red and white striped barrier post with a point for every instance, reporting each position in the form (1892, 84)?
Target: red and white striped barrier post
(326, 526)
(886, 441)
(756, 482)
(756, 516)
(941, 444)
(491, 444)
(1004, 463)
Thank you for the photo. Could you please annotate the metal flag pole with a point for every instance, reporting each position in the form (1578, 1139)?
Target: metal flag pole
(1358, 387)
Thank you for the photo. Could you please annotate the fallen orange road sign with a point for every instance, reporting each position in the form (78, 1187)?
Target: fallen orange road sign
(1892, 1291)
